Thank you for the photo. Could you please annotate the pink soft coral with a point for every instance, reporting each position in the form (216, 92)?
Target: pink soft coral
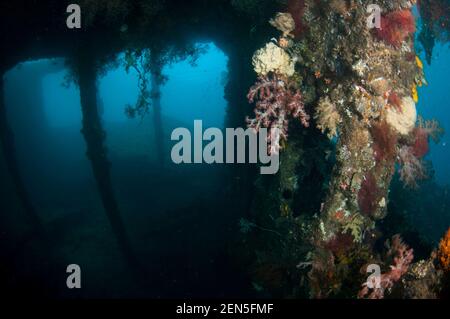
(402, 257)
(425, 130)
(276, 100)
(411, 167)
(431, 128)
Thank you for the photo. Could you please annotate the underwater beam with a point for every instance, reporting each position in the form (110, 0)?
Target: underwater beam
(9, 153)
(156, 105)
(94, 136)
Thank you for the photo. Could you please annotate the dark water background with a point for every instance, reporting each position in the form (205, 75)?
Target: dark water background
(178, 217)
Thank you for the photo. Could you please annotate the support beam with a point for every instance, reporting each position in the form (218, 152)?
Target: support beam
(156, 106)
(9, 152)
(94, 136)
(156, 81)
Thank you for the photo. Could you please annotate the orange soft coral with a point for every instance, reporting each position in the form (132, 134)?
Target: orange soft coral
(444, 251)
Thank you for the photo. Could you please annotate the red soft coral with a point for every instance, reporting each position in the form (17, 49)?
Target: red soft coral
(420, 147)
(369, 194)
(395, 101)
(396, 26)
(340, 244)
(384, 141)
(297, 8)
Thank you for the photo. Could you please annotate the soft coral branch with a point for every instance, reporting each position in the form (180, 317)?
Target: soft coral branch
(402, 257)
(396, 27)
(276, 100)
(412, 168)
(431, 128)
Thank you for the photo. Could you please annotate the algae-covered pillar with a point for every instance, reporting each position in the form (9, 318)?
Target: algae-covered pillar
(240, 76)
(374, 103)
(156, 82)
(349, 69)
(365, 80)
(9, 153)
(94, 136)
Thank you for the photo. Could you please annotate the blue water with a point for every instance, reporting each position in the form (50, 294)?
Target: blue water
(156, 205)
(434, 103)
(191, 92)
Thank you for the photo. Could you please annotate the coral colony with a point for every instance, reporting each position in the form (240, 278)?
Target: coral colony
(277, 96)
(358, 86)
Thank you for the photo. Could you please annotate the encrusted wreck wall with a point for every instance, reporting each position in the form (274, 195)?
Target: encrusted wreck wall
(334, 69)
